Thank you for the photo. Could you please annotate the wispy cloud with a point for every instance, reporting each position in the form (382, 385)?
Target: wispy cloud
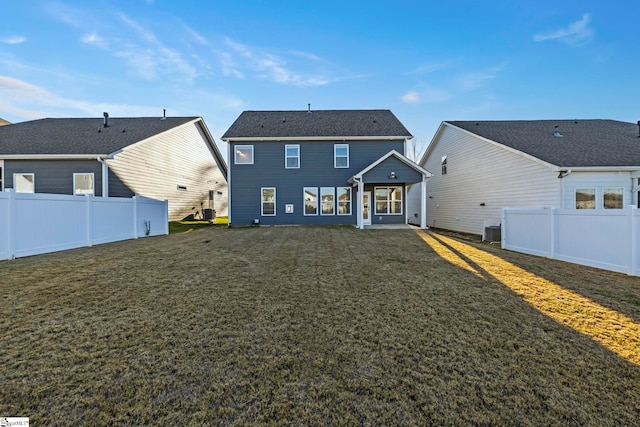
(295, 68)
(426, 94)
(428, 68)
(477, 79)
(575, 34)
(29, 101)
(13, 40)
(146, 55)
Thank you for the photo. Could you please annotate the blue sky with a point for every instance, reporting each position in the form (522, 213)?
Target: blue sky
(425, 61)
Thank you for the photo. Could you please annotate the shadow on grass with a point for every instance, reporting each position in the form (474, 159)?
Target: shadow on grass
(610, 328)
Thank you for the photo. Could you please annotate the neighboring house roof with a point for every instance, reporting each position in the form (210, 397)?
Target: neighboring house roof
(318, 124)
(584, 143)
(3, 122)
(81, 136)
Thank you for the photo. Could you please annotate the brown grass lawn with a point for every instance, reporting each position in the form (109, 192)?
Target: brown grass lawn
(315, 326)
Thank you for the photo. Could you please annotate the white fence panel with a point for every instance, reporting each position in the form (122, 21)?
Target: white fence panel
(4, 225)
(607, 239)
(32, 224)
(111, 220)
(44, 223)
(528, 230)
(600, 239)
(151, 221)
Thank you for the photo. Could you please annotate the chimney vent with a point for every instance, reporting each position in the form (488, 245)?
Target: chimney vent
(106, 118)
(556, 132)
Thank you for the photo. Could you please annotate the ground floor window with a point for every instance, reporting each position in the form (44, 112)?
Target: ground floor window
(24, 183)
(83, 184)
(327, 196)
(268, 201)
(344, 200)
(310, 195)
(613, 198)
(585, 198)
(388, 200)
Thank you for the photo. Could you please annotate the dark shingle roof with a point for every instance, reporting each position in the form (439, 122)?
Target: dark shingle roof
(584, 143)
(318, 123)
(81, 136)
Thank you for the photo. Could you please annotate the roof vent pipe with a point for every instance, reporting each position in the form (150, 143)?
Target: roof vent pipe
(308, 108)
(638, 128)
(106, 118)
(164, 114)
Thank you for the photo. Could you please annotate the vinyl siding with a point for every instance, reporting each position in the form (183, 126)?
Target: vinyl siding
(481, 172)
(180, 157)
(599, 181)
(316, 170)
(53, 176)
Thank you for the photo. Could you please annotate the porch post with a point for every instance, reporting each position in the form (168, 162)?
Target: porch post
(423, 202)
(360, 202)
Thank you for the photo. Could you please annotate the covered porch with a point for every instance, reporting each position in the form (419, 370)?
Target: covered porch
(382, 189)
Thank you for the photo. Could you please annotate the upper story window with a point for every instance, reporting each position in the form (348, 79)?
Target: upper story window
(83, 184)
(341, 155)
(443, 163)
(585, 198)
(292, 156)
(24, 183)
(243, 155)
(613, 198)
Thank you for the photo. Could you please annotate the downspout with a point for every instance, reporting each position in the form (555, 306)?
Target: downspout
(423, 202)
(229, 209)
(105, 176)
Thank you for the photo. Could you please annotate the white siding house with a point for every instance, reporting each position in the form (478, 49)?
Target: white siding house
(481, 167)
(179, 166)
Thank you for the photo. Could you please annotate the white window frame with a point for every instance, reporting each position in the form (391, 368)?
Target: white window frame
(443, 165)
(335, 156)
(237, 157)
(33, 182)
(389, 201)
(287, 157)
(348, 201)
(595, 197)
(608, 189)
(263, 201)
(328, 191)
(93, 185)
(304, 201)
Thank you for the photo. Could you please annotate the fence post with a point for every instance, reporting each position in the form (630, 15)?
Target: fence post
(10, 233)
(633, 241)
(552, 230)
(503, 231)
(135, 216)
(89, 201)
(166, 217)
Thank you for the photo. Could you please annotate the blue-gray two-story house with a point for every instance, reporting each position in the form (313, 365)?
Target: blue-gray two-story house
(320, 167)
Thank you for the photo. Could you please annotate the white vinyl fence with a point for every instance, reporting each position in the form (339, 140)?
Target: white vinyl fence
(607, 239)
(32, 224)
